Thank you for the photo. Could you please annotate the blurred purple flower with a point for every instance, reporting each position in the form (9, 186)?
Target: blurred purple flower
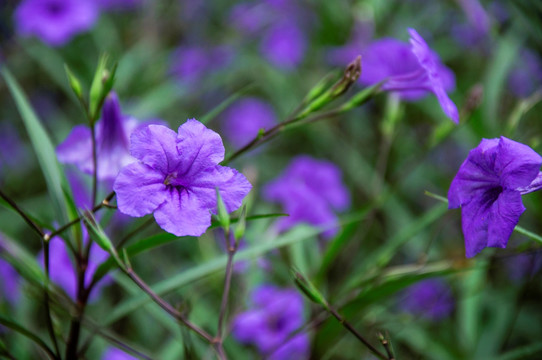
(9, 286)
(412, 71)
(116, 354)
(284, 44)
(359, 39)
(477, 16)
(488, 188)
(431, 299)
(62, 269)
(176, 177)
(119, 5)
(191, 63)
(526, 76)
(12, 152)
(112, 140)
(274, 315)
(522, 266)
(249, 18)
(244, 119)
(55, 22)
(310, 191)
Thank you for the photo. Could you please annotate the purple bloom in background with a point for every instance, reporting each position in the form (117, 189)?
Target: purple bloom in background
(244, 119)
(112, 142)
(191, 63)
(284, 44)
(477, 16)
(412, 71)
(488, 188)
(116, 354)
(55, 22)
(273, 316)
(249, 18)
(119, 5)
(431, 299)
(526, 76)
(176, 177)
(9, 284)
(310, 191)
(12, 152)
(359, 39)
(522, 266)
(62, 269)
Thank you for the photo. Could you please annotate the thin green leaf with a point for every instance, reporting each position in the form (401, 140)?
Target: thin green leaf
(524, 352)
(205, 119)
(45, 152)
(22, 330)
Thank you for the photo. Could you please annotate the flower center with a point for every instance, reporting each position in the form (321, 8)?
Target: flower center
(170, 178)
(55, 8)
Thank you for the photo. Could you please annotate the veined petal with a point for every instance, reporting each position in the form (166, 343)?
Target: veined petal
(233, 187)
(475, 221)
(182, 213)
(199, 148)
(516, 163)
(140, 189)
(155, 146)
(475, 174)
(505, 213)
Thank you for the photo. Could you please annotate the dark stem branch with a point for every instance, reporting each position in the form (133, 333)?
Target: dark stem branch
(48, 317)
(30, 335)
(167, 307)
(25, 217)
(94, 163)
(64, 227)
(354, 332)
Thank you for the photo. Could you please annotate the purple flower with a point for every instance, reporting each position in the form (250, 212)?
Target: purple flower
(274, 315)
(488, 188)
(524, 265)
(9, 286)
(116, 354)
(112, 141)
(191, 63)
(244, 119)
(410, 71)
(62, 268)
(431, 299)
(119, 5)
(55, 21)
(284, 44)
(250, 18)
(526, 75)
(310, 191)
(176, 177)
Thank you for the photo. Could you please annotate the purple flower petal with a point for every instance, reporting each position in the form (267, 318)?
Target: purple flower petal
(183, 214)
(140, 189)
(516, 163)
(154, 145)
(77, 146)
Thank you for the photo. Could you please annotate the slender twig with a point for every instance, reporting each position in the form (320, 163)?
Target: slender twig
(64, 227)
(25, 217)
(231, 249)
(166, 306)
(137, 230)
(94, 163)
(277, 129)
(48, 317)
(386, 344)
(354, 332)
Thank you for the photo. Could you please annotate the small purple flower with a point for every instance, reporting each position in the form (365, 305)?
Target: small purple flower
(488, 188)
(523, 266)
(176, 177)
(526, 75)
(274, 315)
(310, 191)
(112, 141)
(9, 286)
(410, 71)
(477, 16)
(284, 44)
(116, 354)
(191, 63)
(119, 5)
(244, 119)
(55, 22)
(431, 299)
(62, 268)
